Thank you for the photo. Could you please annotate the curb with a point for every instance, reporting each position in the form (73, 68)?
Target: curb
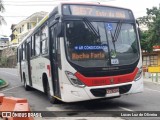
(5, 85)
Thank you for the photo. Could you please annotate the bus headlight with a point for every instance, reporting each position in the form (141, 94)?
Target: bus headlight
(74, 80)
(139, 74)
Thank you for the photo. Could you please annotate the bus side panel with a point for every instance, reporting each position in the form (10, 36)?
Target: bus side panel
(23, 71)
(39, 66)
(137, 86)
(19, 70)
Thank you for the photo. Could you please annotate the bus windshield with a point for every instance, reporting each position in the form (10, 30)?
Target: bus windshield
(116, 45)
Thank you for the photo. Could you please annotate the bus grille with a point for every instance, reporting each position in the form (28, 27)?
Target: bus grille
(97, 73)
(101, 92)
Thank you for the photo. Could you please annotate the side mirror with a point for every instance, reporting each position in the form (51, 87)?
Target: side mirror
(139, 30)
(59, 29)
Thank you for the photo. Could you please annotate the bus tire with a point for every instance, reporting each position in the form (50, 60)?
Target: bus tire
(52, 99)
(27, 88)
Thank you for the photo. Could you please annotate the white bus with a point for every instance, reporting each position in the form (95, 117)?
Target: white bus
(82, 52)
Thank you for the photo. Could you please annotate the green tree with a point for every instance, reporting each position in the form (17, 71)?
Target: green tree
(2, 9)
(152, 35)
(146, 43)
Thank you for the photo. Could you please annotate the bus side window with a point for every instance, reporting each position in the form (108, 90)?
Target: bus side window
(26, 51)
(37, 43)
(30, 49)
(19, 54)
(23, 54)
(53, 41)
(32, 46)
(44, 39)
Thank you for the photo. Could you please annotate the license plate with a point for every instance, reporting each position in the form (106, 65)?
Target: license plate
(112, 90)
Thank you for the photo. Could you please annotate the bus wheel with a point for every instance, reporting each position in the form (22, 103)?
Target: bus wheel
(27, 88)
(52, 99)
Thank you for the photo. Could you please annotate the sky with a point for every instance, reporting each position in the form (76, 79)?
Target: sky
(18, 10)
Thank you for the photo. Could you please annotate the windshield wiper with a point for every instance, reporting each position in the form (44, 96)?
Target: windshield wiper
(117, 31)
(116, 34)
(91, 27)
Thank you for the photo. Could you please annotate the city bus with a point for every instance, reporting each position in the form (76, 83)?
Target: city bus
(82, 51)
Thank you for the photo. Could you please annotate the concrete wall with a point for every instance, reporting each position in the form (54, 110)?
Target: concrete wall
(8, 57)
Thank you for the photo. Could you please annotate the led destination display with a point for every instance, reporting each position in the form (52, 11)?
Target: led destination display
(89, 55)
(97, 11)
(104, 47)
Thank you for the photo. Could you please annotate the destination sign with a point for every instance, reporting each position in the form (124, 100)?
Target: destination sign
(88, 56)
(97, 11)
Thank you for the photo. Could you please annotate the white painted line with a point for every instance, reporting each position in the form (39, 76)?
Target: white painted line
(10, 73)
(10, 88)
(126, 109)
(152, 90)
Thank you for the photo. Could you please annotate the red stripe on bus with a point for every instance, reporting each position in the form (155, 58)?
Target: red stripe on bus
(49, 70)
(108, 80)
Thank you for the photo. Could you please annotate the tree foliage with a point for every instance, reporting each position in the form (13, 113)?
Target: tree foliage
(146, 44)
(2, 9)
(152, 35)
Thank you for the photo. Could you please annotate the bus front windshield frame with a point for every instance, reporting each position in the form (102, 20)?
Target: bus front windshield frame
(115, 43)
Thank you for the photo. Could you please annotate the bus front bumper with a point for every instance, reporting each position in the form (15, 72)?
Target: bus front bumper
(71, 93)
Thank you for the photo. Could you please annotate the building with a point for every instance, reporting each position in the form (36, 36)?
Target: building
(151, 59)
(143, 27)
(13, 36)
(20, 30)
(4, 42)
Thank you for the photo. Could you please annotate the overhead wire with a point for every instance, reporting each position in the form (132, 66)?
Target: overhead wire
(41, 3)
(58, 1)
(29, 4)
(15, 16)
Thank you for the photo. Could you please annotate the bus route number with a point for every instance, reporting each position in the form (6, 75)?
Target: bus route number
(114, 61)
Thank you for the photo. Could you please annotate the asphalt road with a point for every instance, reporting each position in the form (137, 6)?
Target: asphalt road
(149, 100)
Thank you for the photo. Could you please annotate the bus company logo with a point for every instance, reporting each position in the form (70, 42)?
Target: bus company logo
(111, 80)
(6, 114)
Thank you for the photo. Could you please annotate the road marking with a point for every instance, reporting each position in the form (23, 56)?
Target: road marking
(10, 73)
(126, 109)
(152, 90)
(11, 88)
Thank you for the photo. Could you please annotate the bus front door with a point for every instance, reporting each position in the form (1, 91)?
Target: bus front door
(28, 61)
(20, 60)
(54, 60)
